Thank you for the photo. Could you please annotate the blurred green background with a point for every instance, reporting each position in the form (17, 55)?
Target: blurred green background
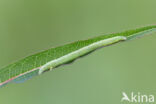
(30, 26)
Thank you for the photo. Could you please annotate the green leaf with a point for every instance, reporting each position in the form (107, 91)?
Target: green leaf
(47, 60)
